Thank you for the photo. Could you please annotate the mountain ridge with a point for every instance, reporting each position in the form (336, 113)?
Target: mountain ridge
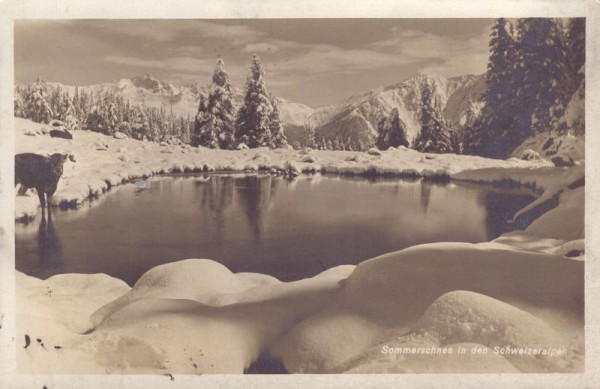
(355, 118)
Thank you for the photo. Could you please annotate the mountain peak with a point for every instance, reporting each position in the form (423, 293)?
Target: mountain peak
(428, 77)
(147, 81)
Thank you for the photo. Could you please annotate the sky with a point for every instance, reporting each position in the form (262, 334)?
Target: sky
(311, 61)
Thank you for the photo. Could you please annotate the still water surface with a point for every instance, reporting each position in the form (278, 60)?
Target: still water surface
(259, 223)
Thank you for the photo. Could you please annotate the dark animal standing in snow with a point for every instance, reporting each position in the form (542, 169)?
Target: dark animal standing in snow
(40, 172)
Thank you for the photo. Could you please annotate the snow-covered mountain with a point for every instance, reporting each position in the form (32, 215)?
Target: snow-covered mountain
(357, 117)
(182, 99)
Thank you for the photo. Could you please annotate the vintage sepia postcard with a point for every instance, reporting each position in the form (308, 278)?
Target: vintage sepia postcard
(243, 195)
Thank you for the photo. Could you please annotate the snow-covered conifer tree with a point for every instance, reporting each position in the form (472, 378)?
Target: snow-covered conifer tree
(310, 140)
(543, 69)
(19, 106)
(495, 132)
(205, 127)
(112, 119)
(391, 132)
(139, 126)
(252, 124)
(435, 136)
(37, 107)
(215, 122)
(278, 138)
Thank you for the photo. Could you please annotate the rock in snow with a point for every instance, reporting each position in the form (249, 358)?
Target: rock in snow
(530, 155)
(562, 161)
(373, 151)
(61, 132)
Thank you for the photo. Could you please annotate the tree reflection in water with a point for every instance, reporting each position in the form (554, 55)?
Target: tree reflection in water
(256, 195)
(216, 197)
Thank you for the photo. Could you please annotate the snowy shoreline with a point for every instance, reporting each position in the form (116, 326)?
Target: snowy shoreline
(104, 162)
(195, 316)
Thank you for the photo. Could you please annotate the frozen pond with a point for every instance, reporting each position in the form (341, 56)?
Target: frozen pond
(259, 223)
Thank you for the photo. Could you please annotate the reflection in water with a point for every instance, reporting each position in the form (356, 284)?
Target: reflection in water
(500, 212)
(256, 194)
(425, 195)
(259, 223)
(216, 197)
(49, 246)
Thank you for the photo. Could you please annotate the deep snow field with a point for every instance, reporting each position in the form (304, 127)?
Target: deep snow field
(195, 316)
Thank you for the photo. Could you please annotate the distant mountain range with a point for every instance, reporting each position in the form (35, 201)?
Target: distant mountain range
(356, 118)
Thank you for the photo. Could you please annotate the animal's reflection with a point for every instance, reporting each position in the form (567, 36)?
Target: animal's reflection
(49, 244)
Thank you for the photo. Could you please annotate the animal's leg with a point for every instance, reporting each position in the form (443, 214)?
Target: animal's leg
(22, 190)
(42, 199)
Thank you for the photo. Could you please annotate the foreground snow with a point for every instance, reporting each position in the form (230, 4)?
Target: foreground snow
(194, 316)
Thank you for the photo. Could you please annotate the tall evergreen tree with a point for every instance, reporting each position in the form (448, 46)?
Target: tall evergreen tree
(495, 133)
(542, 69)
(575, 52)
(112, 119)
(252, 124)
(19, 106)
(139, 126)
(310, 139)
(36, 105)
(215, 124)
(278, 138)
(469, 134)
(391, 132)
(199, 136)
(435, 136)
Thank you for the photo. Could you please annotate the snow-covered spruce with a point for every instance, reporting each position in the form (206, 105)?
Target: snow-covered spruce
(215, 120)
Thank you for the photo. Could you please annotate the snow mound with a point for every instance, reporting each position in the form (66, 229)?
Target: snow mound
(564, 222)
(201, 280)
(486, 329)
(381, 293)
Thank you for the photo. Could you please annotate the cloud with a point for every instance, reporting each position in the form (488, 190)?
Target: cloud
(262, 47)
(274, 46)
(185, 64)
(170, 30)
(447, 55)
(142, 28)
(189, 50)
(332, 59)
(235, 34)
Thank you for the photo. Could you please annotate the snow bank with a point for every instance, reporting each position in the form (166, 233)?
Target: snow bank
(495, 337)
(386, 296)
(564, 222)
